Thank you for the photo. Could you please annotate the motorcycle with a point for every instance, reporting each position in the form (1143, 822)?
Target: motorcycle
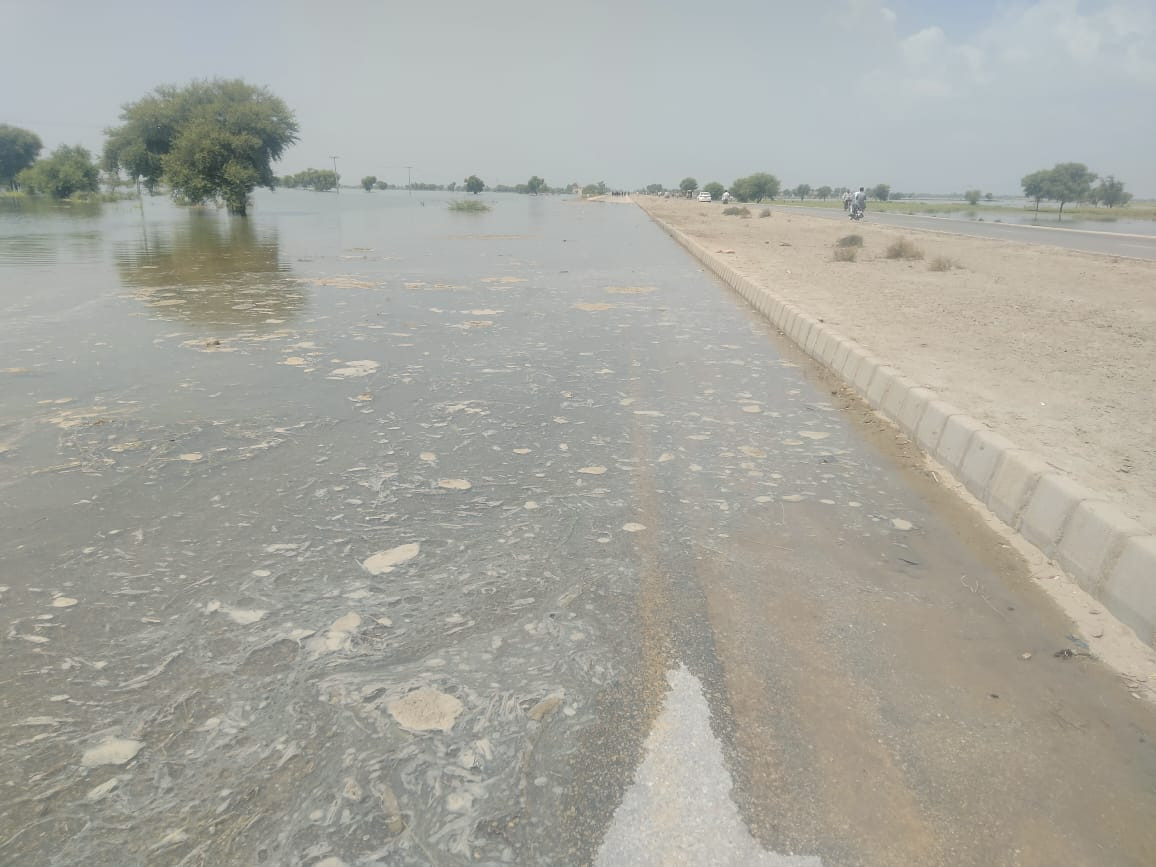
(856, 212)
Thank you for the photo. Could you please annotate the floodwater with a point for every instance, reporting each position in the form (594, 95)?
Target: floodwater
(364, 532)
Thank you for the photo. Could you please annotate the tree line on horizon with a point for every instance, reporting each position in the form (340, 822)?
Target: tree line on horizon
(216, 140)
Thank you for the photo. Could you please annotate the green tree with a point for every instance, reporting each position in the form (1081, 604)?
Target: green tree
(1068, 182)
(688, 185)
(823, 192)
(208, 141)
(654, 188)
(1111, 192)
(67, 171)
(535, 185)
(474, 184)
(715, 189)
(19, 149)
(802, 191)
(988, 197)
(368, 182)
(756, 187)
(881, 192)
(1036, 186)
(972, 197)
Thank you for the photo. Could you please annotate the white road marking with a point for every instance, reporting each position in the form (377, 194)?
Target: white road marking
(678, 810)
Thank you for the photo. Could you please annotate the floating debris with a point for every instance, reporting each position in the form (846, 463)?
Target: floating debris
(385, 561)
(425, 710)
(111, 751)
(454, 484)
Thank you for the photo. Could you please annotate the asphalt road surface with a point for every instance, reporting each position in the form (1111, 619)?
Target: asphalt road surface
(423, 539)
(1136, 246)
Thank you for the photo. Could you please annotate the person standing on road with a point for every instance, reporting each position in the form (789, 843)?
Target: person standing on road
(846, 200)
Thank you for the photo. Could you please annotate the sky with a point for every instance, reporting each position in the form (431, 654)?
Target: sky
(925, 95)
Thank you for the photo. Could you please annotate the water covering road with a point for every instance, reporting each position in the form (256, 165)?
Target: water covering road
(366, 533)
(1133, 238)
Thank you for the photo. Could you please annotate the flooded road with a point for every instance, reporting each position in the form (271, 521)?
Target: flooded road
(363, 532)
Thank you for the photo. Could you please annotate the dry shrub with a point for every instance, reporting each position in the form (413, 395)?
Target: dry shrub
(942, 263)
(850, 241)
(737, 212)
(765, 212)
(845, 254)
(904, 249)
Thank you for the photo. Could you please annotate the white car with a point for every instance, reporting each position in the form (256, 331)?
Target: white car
(704, 196)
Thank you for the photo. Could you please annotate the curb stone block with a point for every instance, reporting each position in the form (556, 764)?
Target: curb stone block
(913, 408)
(1130, 591)
(895, 397)
(979, 462)
(825, 347)
(956, 437)
(880, 384)
(1093, 538)
(1051, 506)
(842, 350)
(1012, 484)
(865, 372)
(817, 334)
(931, 426)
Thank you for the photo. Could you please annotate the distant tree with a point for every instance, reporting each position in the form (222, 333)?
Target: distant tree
(1036, 186)
(755, 188)
(688, 185)
(988, 197)
(972, 197)
(535, 185)
(368, 182)
(715, 189)
(1068, 182)
(823, 192)
(318, 180)
(654, 188)
(210, 140)
(474, 184)
(19, 149)
(452, 185)
(380, 185)
(67, 171)
(802, 191)
(1111, 192)
(881, 191)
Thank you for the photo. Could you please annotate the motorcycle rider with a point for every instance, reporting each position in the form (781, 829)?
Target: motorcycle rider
(859, 202)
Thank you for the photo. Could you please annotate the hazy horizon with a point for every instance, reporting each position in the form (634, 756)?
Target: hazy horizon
(925, 96)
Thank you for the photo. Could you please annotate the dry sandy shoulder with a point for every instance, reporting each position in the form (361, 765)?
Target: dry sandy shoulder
(1054, 349)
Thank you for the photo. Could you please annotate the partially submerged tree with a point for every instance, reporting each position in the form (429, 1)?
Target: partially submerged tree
(535, 185)
(69, 170)
(1069, 182)
(1035, 186)
(208, 141)
(368, 182)
(972, 197)
(19, 149)
(474, 184)
(1111, 192)
(756, 187)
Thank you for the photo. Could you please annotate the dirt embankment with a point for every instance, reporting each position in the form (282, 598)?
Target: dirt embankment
(1054, 349)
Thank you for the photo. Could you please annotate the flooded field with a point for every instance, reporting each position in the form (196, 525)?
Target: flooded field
(362, 532)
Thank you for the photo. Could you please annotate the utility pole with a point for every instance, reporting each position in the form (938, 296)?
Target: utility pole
(336, 177)
(409, 183)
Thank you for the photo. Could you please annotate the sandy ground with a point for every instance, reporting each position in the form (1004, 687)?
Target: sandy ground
(1054, 349)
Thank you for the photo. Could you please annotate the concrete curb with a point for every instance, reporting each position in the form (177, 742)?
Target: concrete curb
(1108, 554)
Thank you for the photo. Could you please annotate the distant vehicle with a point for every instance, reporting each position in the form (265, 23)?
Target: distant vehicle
(704, 196)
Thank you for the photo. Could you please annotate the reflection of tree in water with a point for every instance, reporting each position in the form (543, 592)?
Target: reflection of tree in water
(212, 269)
